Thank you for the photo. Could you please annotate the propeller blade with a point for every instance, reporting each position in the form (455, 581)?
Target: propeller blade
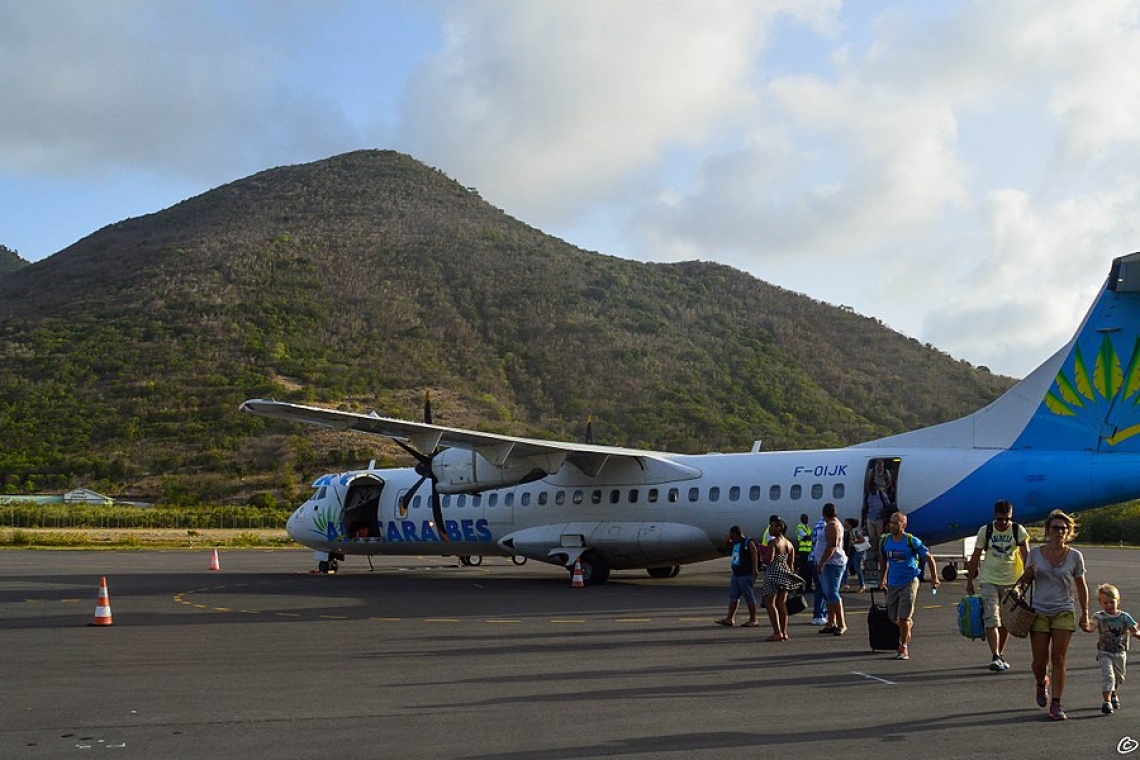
(437, 513)
(427, 407)
(407, 498)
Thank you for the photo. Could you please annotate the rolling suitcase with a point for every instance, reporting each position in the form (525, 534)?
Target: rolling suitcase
(882, 632)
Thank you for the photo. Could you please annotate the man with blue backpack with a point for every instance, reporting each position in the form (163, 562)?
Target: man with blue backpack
(900, 558)
(1004, 543)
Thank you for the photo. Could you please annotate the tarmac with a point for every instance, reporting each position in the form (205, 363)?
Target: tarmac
(422, 658)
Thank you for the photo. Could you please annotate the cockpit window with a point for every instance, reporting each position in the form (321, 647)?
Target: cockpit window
(320, 494)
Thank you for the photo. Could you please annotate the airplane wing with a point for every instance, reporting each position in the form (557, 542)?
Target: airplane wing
(499, 450)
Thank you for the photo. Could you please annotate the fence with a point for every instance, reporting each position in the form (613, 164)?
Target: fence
(61, 516)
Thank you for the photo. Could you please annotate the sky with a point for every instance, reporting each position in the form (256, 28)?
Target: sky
(964, 171)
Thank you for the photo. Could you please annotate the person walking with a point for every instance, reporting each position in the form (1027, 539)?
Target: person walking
(1057, 572)
(1115, 627)
(831, 566)
(900, 558)
(1003, 541)
(745, 567)
(779, 579)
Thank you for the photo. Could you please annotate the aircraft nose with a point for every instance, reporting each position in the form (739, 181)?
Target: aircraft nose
(295, 524)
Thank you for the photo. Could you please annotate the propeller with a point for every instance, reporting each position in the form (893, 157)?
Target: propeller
(423, 469)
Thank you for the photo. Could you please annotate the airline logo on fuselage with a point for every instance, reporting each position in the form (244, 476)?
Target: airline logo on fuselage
(457, 530)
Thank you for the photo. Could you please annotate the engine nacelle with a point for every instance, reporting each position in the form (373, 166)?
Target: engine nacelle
(466, 471)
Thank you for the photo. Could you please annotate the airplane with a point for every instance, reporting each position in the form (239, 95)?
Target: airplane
(1066, 437)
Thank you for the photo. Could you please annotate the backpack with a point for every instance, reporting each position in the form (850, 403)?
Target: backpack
(971, 623)
(990, 532)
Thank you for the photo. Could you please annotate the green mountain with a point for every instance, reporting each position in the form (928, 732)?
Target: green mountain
(10, 261)
(367, 278)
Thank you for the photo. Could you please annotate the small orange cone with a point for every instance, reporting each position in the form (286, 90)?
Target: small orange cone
(103, 606)
(214, 564)
(577, 581)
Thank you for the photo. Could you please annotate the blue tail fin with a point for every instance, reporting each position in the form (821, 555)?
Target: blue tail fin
(1086, 397)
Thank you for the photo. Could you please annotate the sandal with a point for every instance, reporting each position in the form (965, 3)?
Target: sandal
(839, 631)
(775, 637)
(750, 624)
(725, 623)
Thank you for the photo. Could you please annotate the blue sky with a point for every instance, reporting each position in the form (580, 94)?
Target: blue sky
(963, 171)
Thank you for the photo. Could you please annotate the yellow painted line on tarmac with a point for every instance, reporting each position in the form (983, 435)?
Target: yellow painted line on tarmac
(632, 620)
(287, 614)
(386, 619)
(222, 609)
(333, 617)
(568, 620)
(441, 620)
(503, 622)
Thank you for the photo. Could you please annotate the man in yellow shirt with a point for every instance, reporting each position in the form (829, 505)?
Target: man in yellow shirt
(1006, 545)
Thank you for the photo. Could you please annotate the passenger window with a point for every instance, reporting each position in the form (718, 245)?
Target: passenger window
(774, 493)
(416, 503)
(674, 495)
(633, 496)
(596, 496)
(817, 491)
(734, 493)
(560, 496)
(543, 498)
(837, 491)
(754, 493)
(493, 500)
(652, 496)
(525, 499)
(796, 491)
(615, 496)
(694, 494)
(714, 493)
(461, 501)
(578, 497)
(477, 500)
(447, 501)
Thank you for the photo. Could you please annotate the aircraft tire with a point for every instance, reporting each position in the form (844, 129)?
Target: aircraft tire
(664, 572)
(594, 571)
(518, 559)
(950, 573)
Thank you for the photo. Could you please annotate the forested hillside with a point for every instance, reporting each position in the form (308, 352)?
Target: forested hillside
(368, 278)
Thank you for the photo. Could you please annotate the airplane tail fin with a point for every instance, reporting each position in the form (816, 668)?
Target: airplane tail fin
(1086, 397)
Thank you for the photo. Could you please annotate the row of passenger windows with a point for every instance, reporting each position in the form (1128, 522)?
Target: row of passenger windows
(631, 496)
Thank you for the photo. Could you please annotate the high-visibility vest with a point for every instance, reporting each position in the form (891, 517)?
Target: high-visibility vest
(803, 537)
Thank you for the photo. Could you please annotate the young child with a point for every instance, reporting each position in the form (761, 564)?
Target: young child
(1113, 625)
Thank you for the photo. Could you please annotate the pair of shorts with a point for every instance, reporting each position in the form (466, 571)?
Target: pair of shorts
(830, 579)
(741, 586)
(900, 600)
(992, 594)
(1062, 621)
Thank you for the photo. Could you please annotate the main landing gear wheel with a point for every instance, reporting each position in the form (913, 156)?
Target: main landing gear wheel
(473, 561)
(950, 573)
(594, 571)
(518, 559)
(327, 566)
(664, 572)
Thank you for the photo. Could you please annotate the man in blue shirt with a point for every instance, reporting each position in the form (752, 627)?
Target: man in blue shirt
(745, 568)
(900, 555)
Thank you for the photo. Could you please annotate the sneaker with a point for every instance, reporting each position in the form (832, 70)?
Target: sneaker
(1042, 695)
(1004, 662)
(1114, 701)
(996, 664)
(902, 654)
(1055, 711)
(819, 621)
(1106, 708)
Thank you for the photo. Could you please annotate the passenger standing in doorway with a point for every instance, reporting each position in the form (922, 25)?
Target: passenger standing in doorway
(832, 566)
(900, 558)
(877, 502)
(745, 568)
(803, 552)
(1003, 541)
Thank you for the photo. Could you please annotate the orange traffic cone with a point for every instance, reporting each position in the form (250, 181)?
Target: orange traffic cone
(103, 606)
(577, 581)
(214, 564)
